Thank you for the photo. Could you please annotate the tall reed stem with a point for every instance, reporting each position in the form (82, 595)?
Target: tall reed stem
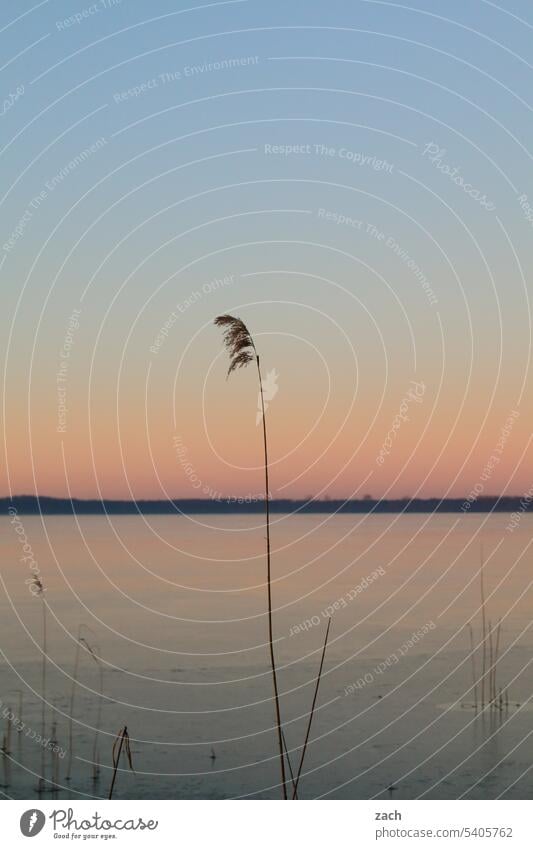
(269, 588)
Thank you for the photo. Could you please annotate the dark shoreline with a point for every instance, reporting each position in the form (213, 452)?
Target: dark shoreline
(31, 504)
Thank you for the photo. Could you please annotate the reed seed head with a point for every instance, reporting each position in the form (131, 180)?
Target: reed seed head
(237, 340)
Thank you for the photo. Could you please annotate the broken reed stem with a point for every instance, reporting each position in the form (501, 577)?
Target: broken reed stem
(116, 760)
(311, 714)
(123, 740)
(473, 658)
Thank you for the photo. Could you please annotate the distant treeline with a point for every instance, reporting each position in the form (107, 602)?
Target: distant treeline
(29, 504)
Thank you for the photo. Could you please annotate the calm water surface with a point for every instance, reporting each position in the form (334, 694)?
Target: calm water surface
(176, 611)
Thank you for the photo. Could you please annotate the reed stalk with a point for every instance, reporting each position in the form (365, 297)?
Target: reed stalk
(491, 666)
(95, 656)
(473, 658)
(71, 710)
(484, 630)
(289, 764)
(242, 351)
(496, 656)
(311, 714)
(122, 740)
(39, 590)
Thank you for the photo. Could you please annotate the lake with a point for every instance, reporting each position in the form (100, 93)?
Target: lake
(174, 610)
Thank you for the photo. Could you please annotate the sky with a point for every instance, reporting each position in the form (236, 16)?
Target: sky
(352, 179)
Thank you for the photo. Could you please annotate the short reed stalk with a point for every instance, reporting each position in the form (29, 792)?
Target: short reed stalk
(491, 666)
(484, 630)
(473, 658)
(496, 657)
(122, 740)
(39, 590)
(95, 656)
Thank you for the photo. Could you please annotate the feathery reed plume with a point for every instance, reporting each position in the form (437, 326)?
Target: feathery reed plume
(311, 714)
(39, 591)
(473, 658)
(122, 740)
(242, 351)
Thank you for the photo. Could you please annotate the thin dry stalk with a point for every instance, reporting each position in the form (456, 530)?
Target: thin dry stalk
(122, 740)
(39, 591)
(242, 351)
(319, 676)
(473, 658)
(484, 629)
(496, 655)
(95, 656)
(71, 710)
(491, 666)
(291, 773)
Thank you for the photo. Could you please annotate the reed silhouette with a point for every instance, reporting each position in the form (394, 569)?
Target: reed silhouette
(242, 351)
(39, 590)
(122, 741)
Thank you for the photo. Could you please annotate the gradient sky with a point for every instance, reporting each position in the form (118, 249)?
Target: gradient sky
(184, 210)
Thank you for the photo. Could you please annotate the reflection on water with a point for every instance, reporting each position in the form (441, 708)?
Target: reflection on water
(176, 612)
